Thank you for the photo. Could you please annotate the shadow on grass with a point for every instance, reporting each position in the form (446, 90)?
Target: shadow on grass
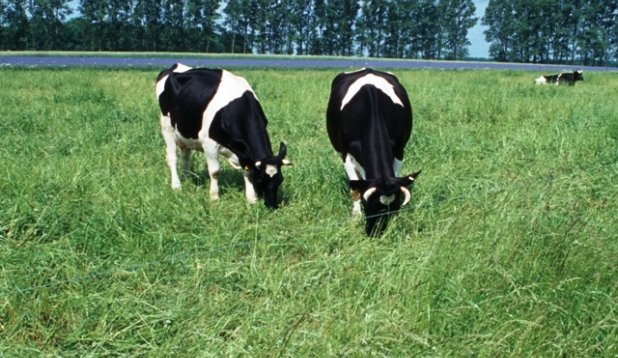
(232, 180)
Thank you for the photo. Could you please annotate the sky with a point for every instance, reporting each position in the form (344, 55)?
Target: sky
(478, 47)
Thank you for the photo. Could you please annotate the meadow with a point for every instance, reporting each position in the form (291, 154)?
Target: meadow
(508, 247)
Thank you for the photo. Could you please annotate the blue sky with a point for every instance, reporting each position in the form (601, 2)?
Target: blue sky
(478, 47)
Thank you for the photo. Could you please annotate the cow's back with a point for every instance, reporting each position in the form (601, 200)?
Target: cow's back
(365, 99)
(186, 97)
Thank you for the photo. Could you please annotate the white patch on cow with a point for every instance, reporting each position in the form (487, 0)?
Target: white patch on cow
(271, 170)
(352, 168)
(558, 79)
(160, 86)
(541, 80)
(370, 79)
(230, 88)
(387, 200)
(580, 71)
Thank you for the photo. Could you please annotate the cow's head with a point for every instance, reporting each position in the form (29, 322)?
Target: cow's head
(578, 75)
(267, 177)
(379, 199)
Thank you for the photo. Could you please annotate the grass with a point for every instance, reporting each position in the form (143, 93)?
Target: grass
(510, 249)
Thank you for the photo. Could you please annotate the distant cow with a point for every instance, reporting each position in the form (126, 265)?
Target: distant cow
(369, 122)
(218, 113)
(568, 78)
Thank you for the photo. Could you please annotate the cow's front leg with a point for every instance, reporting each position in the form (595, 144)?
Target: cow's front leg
(211, 149)
(397, 164)
(353, 174)
(249, 191)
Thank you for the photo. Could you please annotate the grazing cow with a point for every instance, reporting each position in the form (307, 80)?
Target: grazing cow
(218, 113)
(569, 78)
(369, 122)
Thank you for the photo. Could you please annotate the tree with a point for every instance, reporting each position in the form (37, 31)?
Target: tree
(457, 16)
(173, 34)
(499, 17)
(46, 22)
(372, 27)
(16, 33)
(302, 25)
(146, 20)
(200, 23)
(94, 13)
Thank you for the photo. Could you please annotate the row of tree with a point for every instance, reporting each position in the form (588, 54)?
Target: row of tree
(377, 28)
(543, 31)
(553, 31)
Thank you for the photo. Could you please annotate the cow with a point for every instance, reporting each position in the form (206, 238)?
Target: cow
(568, 78)
(369, 122)
(216, 112)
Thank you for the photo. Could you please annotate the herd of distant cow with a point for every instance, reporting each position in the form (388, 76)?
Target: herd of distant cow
(368, 120)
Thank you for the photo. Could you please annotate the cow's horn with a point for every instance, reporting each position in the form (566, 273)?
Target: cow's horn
(369, 192)
(406, 198)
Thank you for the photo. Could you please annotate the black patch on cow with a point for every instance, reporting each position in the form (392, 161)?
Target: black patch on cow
(374, 130)
(186, 97)
(241, 127)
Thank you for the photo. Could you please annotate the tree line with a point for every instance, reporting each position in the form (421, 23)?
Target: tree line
(377, 28)
(539, 31)
(553, 31)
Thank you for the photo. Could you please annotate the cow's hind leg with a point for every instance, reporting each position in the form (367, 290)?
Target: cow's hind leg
(185, 157)
(211, 150)
(170, 152)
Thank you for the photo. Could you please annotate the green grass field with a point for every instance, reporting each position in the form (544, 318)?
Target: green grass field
(508, 248)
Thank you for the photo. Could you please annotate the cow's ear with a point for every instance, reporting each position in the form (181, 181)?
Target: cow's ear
(409, 179)
(282, 151)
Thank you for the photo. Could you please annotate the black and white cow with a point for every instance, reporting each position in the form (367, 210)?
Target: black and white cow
(218, 113)
(369, 122)
(568, 78)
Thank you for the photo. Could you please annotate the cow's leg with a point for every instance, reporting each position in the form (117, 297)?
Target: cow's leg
(397, 164)
(170, 152)
(211, 149)
(231, 158)
(249, 191)
(185, 156)
(353, 174)
(247, 175)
